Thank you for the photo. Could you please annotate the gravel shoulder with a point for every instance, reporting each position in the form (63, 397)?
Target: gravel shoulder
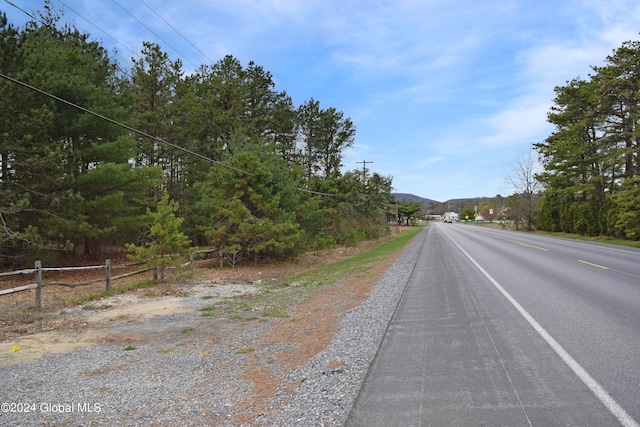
(173, 360)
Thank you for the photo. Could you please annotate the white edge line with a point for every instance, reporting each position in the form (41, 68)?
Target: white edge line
(593, 385)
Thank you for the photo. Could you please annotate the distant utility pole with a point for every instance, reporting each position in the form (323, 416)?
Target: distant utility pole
(364, 170)
(397, 218)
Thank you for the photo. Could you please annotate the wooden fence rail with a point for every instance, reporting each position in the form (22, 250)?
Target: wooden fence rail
(192, 257)
(108, 279)
(39, 284)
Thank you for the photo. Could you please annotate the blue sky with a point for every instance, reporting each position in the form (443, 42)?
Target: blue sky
(445, 95)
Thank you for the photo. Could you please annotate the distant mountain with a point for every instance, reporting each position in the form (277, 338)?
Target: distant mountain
(471, 201)
(404, 197)
(438, 208)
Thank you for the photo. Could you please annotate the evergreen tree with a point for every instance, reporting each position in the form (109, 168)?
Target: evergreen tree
(70, 180)
(627, 220)
(595, 151)
(165, 241)
(324, 137)
(247, 216)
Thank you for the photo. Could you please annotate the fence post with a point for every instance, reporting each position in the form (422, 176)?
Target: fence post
(38, 268)
(107, 268)
(192, 261)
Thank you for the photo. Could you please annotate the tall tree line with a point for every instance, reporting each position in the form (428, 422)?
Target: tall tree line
(592, 159)
(255, 175)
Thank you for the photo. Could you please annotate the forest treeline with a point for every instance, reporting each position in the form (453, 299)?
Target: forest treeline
(243, 168)
(591, 161)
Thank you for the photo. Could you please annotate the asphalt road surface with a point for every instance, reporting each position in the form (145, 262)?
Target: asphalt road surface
(499, 328)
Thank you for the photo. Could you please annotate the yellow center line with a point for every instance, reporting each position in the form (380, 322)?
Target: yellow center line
(522, 243)
(593, 265)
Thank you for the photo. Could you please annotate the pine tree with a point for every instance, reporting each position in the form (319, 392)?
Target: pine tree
(166, 242)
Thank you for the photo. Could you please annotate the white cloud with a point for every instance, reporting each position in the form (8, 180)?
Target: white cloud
(524, 122)
(421, 163)
(552, 62)
(432, 85)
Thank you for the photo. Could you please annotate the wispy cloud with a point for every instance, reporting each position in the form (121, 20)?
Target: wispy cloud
(520, 123)
(440, 92)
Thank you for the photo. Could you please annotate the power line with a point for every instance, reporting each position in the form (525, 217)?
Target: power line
(117, 65)
(26, 85)
(177, 32)
(155, 138)
(99, 29)
(115, 122)
(154, 33)
(20, 9)
(97, 114)
(314, 192)
(54, 29)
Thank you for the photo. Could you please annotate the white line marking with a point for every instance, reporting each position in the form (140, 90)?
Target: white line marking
(613, 406)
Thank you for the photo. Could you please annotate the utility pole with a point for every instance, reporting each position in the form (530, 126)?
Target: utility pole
(397, 219)
(364, 170)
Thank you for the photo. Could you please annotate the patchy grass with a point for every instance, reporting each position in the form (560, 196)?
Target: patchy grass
(351, 267)
(245, 350)
(275, 312)
(230, 305)
(105, 370)
(207, 311)
(360, 263)
(130, 348)
(188, 330)
(24, 316)
(236, 316)
(112, 292)
(276, 299)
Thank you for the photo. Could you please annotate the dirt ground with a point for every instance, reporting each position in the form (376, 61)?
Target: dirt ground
(307, 330)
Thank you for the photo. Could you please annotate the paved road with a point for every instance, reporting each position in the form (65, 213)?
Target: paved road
(497, 328)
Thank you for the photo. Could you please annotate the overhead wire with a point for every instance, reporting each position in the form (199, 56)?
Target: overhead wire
(160, 140)
(211, 61)
(154, 33)
(52, 28)
(132, 129)
(20, 9)
(115, 122)
(177, 32)
(116, 64)
(99, 29)
(41, 91)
